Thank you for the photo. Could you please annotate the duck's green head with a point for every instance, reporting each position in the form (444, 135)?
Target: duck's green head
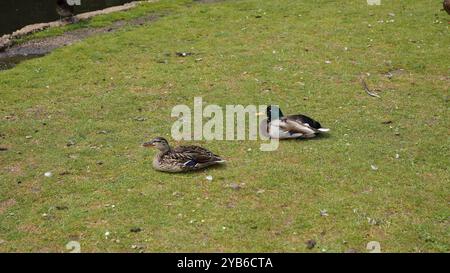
(273, 113)
(160, 143)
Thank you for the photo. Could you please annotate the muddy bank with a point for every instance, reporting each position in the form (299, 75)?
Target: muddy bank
(12, 54)
(8, 39)
(40, 47)
(16, 14)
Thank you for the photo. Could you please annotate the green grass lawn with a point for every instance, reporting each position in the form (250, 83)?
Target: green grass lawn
(110, 93)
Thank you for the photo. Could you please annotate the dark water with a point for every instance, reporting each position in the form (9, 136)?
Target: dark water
(15, 14)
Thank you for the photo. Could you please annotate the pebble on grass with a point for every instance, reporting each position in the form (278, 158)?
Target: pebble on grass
(310, 244)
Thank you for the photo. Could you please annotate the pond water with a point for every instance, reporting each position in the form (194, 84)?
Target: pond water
(15, 14)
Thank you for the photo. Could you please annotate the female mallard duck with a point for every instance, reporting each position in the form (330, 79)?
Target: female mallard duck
(295, 126)
(182, 158)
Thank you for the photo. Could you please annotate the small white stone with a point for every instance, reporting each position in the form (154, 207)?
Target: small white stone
(328, 62)
(397, 156)
(374, 167)
(209, 178)
(107, 234)
(48, 174)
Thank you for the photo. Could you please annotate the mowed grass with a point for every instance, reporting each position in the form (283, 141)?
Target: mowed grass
(306, 56)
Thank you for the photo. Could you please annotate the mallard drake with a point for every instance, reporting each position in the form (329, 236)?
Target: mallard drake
(446, 5)
(182, 158)
(279, 126)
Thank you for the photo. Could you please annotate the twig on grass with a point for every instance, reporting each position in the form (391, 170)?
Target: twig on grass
(366, 88)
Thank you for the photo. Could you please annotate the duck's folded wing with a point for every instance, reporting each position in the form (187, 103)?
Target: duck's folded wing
(296, 126)
(305, 120)
(197, 154)
(176, 158)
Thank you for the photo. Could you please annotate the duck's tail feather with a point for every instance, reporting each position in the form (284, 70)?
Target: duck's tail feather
(323, 130)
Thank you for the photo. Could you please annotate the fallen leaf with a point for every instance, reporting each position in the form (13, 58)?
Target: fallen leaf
(235, 186)
(70, 143)
(324, 213)
(136, 229)
(138, 246)
(140, 119)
